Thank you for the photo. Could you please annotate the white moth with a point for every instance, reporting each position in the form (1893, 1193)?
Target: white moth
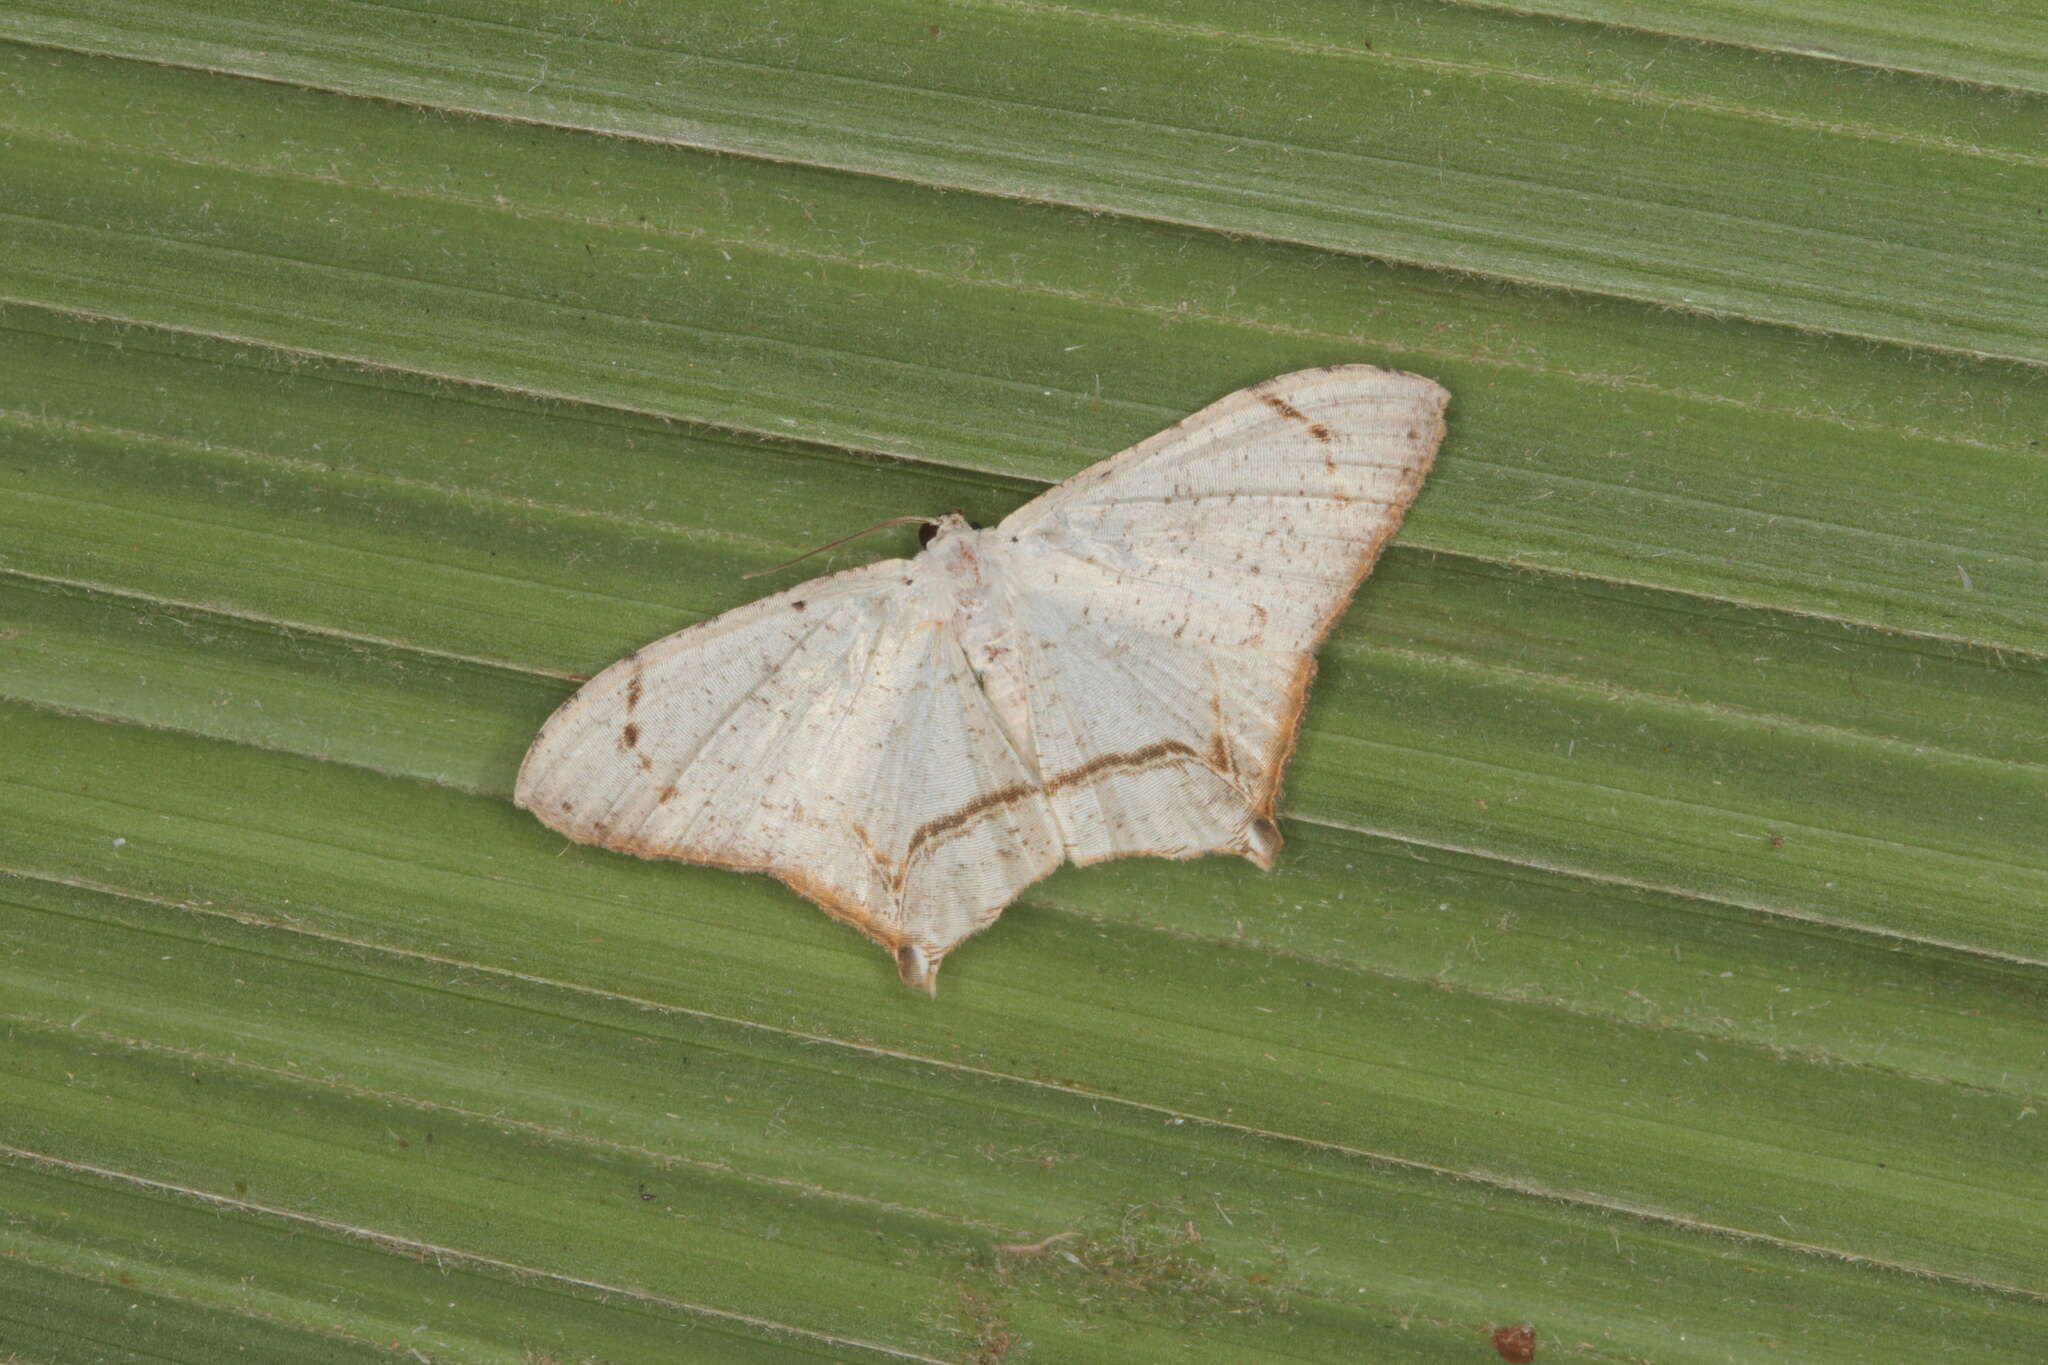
(1117, 669)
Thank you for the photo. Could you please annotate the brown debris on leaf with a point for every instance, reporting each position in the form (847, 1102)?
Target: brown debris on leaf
(1516, 1345)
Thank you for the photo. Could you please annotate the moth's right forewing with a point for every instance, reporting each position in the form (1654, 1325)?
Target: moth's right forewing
(1262, 511)
(1178, 592)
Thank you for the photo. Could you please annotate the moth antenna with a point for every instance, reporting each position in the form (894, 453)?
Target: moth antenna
(833, 545)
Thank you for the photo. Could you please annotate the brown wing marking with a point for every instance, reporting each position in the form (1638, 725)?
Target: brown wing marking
(1133, 759)
(1283, 407)
(1294, 414)
(945, 824)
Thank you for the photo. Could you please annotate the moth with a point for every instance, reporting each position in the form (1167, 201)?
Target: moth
(1117, 669)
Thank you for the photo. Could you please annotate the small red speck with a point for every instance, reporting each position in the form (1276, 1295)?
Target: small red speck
(1777, 841)
(1516, 1344)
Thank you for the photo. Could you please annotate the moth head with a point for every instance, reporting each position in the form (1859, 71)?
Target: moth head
(938, 528)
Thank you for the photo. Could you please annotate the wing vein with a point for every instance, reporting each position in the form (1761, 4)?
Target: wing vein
(712, 731)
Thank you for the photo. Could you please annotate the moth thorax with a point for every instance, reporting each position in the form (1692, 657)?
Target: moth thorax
(955, 548)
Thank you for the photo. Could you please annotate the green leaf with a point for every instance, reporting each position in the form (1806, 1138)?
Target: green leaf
(1657, 954)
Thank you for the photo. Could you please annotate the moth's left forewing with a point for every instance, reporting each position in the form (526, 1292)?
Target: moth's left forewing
(832, 736)
(1183, 587)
